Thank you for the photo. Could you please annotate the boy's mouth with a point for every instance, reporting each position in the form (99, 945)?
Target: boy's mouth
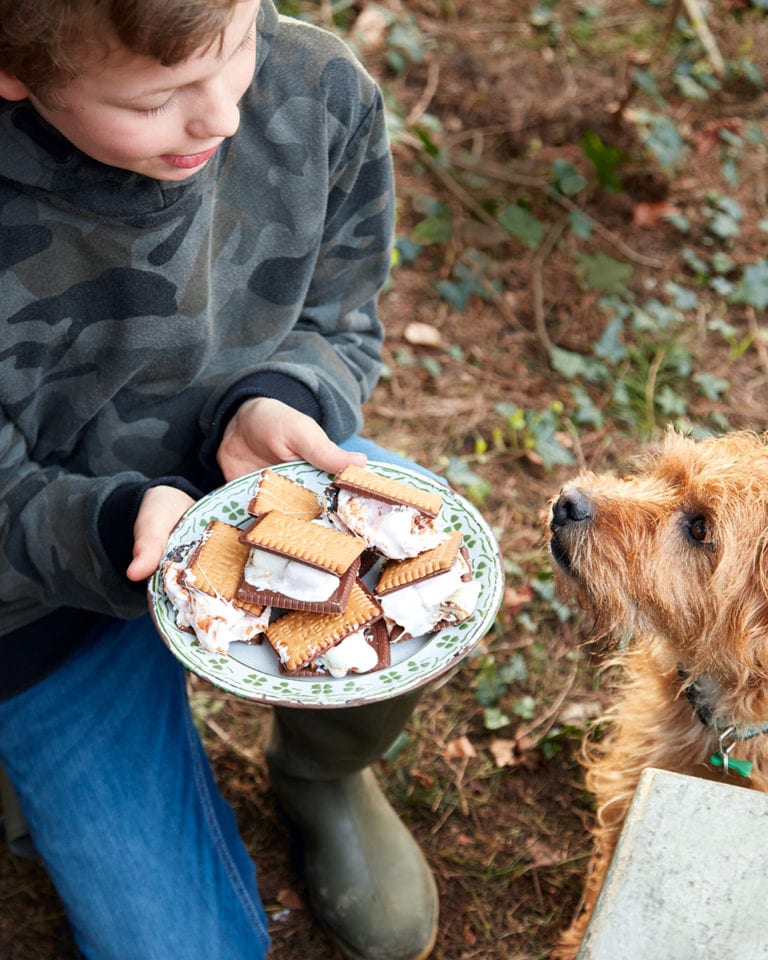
(190, 160)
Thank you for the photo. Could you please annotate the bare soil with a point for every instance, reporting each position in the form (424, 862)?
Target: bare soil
(500, 814)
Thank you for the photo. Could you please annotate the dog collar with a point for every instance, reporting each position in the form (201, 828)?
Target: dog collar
(728, 736)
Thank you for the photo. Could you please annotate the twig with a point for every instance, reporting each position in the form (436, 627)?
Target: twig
(500, 173)
(537, 284)
(548, 719)
(451, 184)
(705, 35)
(607, 234)
(228, 740)
(655, 54)
(757, 338)
(430, 89)
(650, 387)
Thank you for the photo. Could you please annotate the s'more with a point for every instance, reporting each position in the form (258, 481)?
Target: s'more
(426, 593)
(394, 518)
(335, 644)
(298, 564)
(202, 584)
(274, 491)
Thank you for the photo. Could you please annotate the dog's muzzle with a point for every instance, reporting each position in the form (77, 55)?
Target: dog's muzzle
(570, 513)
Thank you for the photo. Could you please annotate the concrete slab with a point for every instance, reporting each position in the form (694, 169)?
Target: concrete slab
(688, 879)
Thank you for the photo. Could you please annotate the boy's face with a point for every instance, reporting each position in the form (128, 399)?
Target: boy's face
(131, 112)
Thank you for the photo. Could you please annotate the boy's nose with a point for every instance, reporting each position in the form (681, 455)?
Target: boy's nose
(217, 114)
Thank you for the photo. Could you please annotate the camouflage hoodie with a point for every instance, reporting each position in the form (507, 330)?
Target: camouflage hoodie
(136, 314)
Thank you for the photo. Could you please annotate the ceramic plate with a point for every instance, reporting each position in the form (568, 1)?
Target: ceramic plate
(251, 671)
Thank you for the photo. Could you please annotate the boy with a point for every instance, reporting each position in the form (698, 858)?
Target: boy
(195, 218)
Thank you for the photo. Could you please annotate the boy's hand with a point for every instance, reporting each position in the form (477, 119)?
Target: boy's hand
(264, 432)
(160, 510)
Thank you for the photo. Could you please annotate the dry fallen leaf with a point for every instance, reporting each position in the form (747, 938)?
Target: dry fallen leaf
(516, 598)
(503, 752)
(290, 899)
(577, 713)
(422, 334)
(370, 29)
(459, 749)
(542, 855)
(651, 214)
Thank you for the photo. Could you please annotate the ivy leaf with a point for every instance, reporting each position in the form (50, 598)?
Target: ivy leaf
(753, 286)
(610, 346)
(494, 719)
(522, 224)
(581, 225)
(713, 388)
(586, 411)
(543, 430)
(572, 365)
(662, 138)
(432, 230)
(567, 178)
(458, 474)
(605, 159)
(524, 707)
(602, 272)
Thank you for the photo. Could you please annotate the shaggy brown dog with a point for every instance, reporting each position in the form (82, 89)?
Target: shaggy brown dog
(672, 561)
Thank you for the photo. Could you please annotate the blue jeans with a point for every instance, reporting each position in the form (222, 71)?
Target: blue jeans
(122, 806)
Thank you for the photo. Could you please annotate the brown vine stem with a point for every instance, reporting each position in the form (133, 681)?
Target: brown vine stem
(537, 285)
(757, 338)
(497, 172)
(430, 89)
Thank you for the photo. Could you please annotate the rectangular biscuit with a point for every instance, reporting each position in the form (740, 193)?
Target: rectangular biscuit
(401, 573)
(377, 636)
(336, 602)
(370, 484)
(300, 539)
(300, 637)
(216, 565)
(277, 492)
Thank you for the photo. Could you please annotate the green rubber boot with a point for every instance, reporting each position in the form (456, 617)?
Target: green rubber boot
(368, 880)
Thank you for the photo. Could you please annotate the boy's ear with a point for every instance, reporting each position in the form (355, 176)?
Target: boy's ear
(11, 88)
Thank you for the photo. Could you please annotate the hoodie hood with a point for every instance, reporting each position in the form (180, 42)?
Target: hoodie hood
(36, 157)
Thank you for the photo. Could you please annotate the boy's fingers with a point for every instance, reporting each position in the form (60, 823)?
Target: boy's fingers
(145, 561)
(331, 458)
(160, 511)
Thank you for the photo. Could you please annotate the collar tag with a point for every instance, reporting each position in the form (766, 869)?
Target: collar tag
(723, 756)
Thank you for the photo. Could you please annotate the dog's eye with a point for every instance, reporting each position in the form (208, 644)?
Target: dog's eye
(698, 529)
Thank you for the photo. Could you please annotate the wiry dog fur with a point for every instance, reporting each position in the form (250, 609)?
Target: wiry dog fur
(672, 561)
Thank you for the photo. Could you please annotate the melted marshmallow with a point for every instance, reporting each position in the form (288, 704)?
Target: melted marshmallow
(272, 571)
(420, 606)
(353, 654)
(217, 622)
(395, 530)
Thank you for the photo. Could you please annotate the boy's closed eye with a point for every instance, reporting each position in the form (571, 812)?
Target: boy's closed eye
(246, 44)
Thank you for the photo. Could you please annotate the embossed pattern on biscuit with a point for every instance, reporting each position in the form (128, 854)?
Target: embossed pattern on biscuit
(370, 484)
(276, 492)
(311, 543)
(216, 565)
(439, 559)
(299, 637)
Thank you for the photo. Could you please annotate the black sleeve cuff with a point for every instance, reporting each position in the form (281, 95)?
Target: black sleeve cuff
(118, 517)
(276, 386)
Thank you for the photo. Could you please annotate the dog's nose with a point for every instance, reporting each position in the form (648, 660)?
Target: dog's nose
(572, 506)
